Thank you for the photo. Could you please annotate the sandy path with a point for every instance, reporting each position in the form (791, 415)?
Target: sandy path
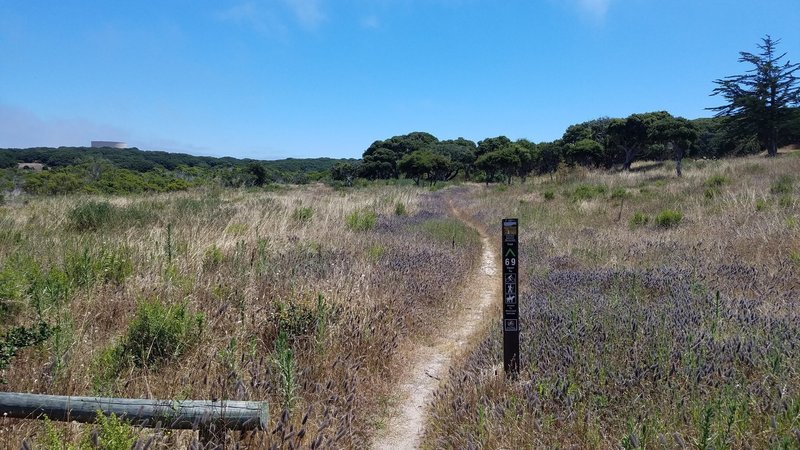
(428, 364)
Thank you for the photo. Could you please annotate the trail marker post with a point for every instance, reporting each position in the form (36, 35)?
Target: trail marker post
(510, 252)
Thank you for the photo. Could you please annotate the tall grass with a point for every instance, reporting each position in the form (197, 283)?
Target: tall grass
(257, 266)
(635, 336)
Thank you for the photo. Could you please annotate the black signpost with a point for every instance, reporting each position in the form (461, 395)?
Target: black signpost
(510, 297)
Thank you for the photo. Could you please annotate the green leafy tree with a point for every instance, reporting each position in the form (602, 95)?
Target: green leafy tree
(628, 135)
(548, 156)
(379, 164)
(526, 152)
(758, 103)
(424, 164)
(460, 152)
(586, 152)
(579, 149)
(503, 161)
(381, 158)
(676, 133)
(489, 145)
(259, 173)
(345, 172)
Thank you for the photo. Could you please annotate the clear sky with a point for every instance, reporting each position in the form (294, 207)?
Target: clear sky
(270, 79)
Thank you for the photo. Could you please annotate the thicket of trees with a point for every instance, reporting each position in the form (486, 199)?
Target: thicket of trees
(599, 143)
(761, 113)
(119, 171)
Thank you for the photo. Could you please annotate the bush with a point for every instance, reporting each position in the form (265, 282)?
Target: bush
(361, 220)
(91, 216)
(669, 218)
(157, 335)
(549, 195)
(160, 334)
(112, 433)
(19, 338)
(400, 209)
(303, 214)
(639, 219)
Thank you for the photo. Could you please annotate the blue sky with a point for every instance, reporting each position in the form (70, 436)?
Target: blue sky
(270, 79)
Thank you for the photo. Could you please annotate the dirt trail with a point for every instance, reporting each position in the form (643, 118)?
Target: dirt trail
(428, 364)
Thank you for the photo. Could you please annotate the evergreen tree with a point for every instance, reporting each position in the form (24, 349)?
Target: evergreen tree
(760, 101)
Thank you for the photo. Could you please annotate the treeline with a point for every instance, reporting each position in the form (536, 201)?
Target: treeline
(600, 143)
(120, 171)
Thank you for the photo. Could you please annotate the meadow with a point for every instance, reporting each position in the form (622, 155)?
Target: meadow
(300, 297)
(658, 312)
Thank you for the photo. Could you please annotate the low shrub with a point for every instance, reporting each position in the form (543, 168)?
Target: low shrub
(361, 220)
(91, 215)
(161, 333)
(549, 195)
(639, 219)
(400, 209)
(20, 337)
(668, 218)
(109, 433)
(158, 335)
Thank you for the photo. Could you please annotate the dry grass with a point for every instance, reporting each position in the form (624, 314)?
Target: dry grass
(255, 265)
(625, 343)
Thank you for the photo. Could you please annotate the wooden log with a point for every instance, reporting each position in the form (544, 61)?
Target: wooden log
(171, 414)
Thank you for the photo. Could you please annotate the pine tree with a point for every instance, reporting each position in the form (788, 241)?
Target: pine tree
(760, 101)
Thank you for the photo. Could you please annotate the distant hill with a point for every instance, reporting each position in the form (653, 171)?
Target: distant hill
(145, 161)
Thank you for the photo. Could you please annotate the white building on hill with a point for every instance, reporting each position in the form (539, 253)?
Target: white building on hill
(109, 144)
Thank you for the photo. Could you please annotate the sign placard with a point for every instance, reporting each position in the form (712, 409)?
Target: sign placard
(510, 257)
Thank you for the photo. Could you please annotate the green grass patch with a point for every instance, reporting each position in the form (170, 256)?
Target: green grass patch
(303, 214)
(587, 192)
(361, 220)
(783, 185)
(717, 181)
(639, 219)
(668, 218)
(450, 231)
